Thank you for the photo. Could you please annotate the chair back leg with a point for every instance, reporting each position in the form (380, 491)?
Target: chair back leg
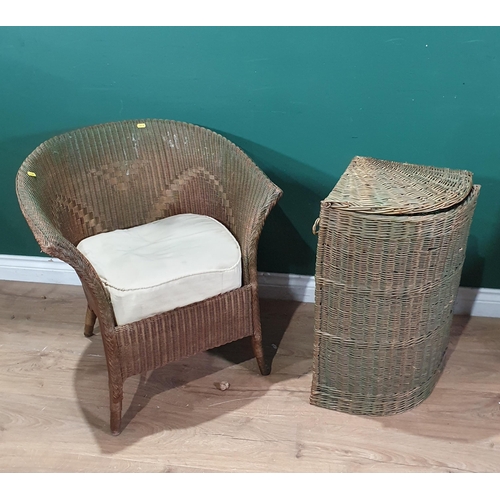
(90, 318)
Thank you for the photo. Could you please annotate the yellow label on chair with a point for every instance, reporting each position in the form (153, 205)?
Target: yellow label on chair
(141, 125)
(31, 174)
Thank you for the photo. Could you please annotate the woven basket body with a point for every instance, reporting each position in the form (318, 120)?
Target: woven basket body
(391, 246)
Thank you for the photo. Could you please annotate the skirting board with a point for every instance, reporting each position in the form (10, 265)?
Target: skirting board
(470, 301)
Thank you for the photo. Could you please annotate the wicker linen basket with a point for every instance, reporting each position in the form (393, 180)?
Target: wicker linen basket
(391, 246)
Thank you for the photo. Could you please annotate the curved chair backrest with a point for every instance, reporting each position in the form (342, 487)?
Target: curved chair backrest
(124, 174)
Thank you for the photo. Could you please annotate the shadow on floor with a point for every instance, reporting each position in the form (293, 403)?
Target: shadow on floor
(183, 394)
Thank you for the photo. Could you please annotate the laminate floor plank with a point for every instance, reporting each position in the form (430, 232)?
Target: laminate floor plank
(54, 414)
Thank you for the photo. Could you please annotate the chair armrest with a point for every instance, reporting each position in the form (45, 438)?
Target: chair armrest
(53, 243)
(252, 202)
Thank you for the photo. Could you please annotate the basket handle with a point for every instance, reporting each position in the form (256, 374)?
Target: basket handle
(315, 230)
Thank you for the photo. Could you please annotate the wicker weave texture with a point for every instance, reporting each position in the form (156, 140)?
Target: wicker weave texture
(385, 289)
(191, 329)
(124, 174)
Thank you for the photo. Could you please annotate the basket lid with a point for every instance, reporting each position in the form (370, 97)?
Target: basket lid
(387, 187)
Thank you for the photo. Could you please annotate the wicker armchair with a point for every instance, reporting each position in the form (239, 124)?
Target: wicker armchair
(126, 174)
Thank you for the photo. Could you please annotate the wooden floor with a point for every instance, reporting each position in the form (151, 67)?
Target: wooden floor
(54, 402)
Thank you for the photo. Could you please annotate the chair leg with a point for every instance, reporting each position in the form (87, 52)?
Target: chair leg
(264, 367)
(90, 318)
(115, 407)
(258, 350)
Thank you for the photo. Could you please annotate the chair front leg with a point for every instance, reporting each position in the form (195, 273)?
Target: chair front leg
(264, 366)
(258, 349)
(115, 407)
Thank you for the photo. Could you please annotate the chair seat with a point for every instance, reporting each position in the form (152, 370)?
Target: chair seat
(165, 264)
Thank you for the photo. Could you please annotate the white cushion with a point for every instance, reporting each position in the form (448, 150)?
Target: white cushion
(165, 264)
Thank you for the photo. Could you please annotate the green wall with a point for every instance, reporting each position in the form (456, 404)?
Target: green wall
(301, 101)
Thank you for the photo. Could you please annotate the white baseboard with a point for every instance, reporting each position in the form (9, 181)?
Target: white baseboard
(37, 270)
(470, 301)
(286, 287)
